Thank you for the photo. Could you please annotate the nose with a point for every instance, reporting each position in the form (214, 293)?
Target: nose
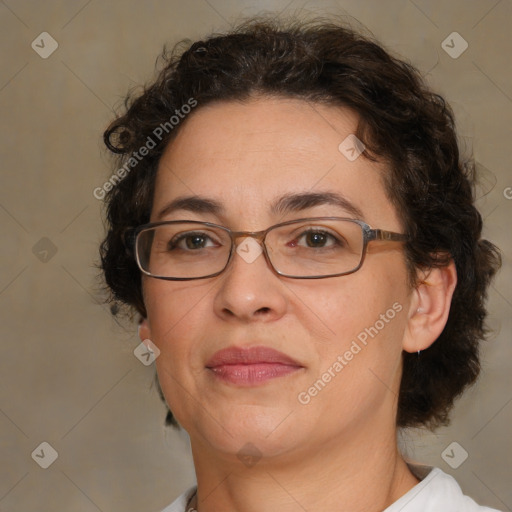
(249, 290)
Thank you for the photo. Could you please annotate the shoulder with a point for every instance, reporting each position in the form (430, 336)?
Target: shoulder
(180, 503)
(437, 492)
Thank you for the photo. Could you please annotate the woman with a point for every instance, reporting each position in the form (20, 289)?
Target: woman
(293, 339)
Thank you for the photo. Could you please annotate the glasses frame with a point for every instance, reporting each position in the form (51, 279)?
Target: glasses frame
(369, 235)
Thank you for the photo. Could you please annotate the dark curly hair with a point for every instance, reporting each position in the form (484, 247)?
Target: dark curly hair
(401, 122)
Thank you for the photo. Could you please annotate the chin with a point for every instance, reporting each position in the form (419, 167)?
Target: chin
(248, 431)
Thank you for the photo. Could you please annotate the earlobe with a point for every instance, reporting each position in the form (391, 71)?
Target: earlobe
(430, 307)
(144, 330)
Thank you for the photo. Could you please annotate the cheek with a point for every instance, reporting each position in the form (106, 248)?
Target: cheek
(361, 363)
(176, 314)
(366, 315)
(347, 305)
(178, 321)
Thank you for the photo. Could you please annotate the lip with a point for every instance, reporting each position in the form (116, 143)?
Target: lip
(251, 366)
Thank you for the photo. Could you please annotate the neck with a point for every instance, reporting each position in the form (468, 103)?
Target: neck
(356, 472)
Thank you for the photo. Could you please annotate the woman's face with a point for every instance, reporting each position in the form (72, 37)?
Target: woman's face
(343, 333)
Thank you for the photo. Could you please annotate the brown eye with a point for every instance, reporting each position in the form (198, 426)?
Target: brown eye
(315, 238)
(190, 241)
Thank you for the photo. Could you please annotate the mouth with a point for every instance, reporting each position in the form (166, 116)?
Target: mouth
(251, 366)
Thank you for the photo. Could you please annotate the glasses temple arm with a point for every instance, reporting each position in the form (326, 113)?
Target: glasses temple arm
(381, 234)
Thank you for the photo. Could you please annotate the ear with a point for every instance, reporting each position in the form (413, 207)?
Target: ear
(144, 330)
(429, 308)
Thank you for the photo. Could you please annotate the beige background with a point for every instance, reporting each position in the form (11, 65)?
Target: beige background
(68, 373)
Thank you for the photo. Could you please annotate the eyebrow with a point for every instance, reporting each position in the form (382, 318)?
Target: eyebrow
(285, 204)
(302, 201)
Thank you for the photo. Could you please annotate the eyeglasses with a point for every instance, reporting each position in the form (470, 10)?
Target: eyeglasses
(312, 248)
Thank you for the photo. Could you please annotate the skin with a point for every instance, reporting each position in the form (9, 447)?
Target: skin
(339, 451)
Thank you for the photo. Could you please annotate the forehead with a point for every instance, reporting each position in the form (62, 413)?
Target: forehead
(246, 155)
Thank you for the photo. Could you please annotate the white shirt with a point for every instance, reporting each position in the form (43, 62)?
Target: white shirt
(437, 492)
